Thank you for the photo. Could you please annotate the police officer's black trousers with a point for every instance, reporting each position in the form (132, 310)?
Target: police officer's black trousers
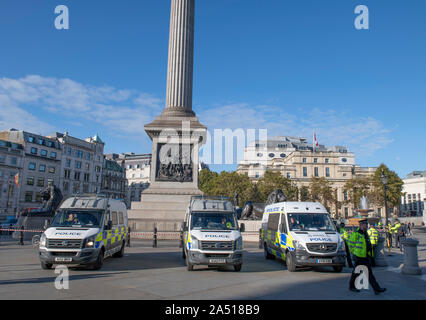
(348, 256)
(371, 278)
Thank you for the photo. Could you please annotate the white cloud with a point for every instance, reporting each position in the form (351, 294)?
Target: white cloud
(124, 112)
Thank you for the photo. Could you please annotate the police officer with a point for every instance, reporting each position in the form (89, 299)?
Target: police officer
(361, 248)
(345, 236)
(374, 239)
(395, 228)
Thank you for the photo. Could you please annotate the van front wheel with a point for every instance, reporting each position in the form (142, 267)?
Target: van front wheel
(289, 260)
(99, 261)
(189, 265)
(238, 267)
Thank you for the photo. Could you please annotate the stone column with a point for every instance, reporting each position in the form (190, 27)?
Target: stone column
(411, 258)
(181, 59)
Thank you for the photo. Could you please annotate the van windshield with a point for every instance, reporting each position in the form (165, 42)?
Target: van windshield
(213, 221)
(310, 222)
(78, 219)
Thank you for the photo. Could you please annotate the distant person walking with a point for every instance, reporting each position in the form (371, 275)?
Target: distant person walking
(345, 236)
(401, 235)
(374, 239)
(362, 249)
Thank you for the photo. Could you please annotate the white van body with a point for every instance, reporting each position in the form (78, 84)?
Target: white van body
(211, 235)
(302, 234)
(85, 230)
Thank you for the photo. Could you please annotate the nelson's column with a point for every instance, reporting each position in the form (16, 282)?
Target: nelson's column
(176, 134)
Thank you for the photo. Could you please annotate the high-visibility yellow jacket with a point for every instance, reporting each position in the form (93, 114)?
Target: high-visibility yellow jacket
(374, 236)
(358, 245)
(396, 227)
(344, 234)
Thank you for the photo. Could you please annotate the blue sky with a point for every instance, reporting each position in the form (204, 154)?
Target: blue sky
(292, 67)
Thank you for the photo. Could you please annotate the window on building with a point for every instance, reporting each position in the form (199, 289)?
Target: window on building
(88, 156)
(31, 139)
(43, 153)
(76, 188)
(42, 168)
(86, 177)
(49, 144)
(87, 166)
(345, 195)
(346, 213)
(39, 197)
(69, 151)
(327, 160)
(30, 181)
(53, 155)
(2, 159)
(67, 174)
(85, 188)
(78, 164)
(28, 196)
(77, 176)
(257, 175)
(344, 160)
(271, 155)
(282, 155)
(327, 172)
(33, 150)
(315, 160)
(288, 175)
(304, 160)
(316, 173)
(68, 163)
(31, 166)
(66, 186)
(52, 170)
(40, 141)
(40, 182)
(305, 171)
(13, 161)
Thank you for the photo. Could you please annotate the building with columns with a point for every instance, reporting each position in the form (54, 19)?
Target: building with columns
(299, 161)
(414, 194)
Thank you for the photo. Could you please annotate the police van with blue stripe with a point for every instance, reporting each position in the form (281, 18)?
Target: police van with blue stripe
(211, 235)
(85, 231)
(302, 234)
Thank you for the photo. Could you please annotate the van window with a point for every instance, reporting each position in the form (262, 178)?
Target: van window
(107, 218)
(114, 218)
(283, 226)
(273, 221)
(120, 218)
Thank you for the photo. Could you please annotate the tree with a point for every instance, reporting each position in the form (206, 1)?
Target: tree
(356, 188)
(393, 191)
(273, 181)
(227, 184)
(321, 190)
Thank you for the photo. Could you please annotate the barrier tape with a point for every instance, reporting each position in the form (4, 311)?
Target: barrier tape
(19, 230)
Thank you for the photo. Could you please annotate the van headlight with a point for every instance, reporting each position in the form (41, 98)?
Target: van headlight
(89, 242)
(239, 243)
(298, 245)
(194, 243)
(43, 239)
(341, 246)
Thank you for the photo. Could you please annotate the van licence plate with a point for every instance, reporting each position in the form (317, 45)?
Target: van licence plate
(62, 259)
(217, 261)
(324, 260)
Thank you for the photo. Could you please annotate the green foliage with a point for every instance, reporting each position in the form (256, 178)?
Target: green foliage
(393, 191)
(274, 181)
(321, 190)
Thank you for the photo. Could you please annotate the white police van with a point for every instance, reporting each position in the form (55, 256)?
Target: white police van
(85, 230)
(211, 235)
(302, 234)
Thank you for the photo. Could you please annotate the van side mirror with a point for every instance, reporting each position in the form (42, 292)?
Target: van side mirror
(242, 227)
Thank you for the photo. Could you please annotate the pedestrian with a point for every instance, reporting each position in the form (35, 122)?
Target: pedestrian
(21, 238)
(401, 235)
(409, 229)
(389, 235)
(345, 236)
(361, 248)
(395, 228)
(374, 239)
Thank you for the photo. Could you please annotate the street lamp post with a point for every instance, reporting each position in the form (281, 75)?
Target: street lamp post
(385, 181)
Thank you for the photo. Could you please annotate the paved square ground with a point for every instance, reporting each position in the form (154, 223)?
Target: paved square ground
(160, 273)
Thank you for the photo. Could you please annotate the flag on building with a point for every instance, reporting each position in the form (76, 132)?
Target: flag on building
(316, 145)
(17, 179)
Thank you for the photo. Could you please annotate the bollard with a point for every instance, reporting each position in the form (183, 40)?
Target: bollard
(379, 256)
(411, 257)
(154, 243)
(21, 238)
(260, 239)
(128, 237)
(181, 240)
